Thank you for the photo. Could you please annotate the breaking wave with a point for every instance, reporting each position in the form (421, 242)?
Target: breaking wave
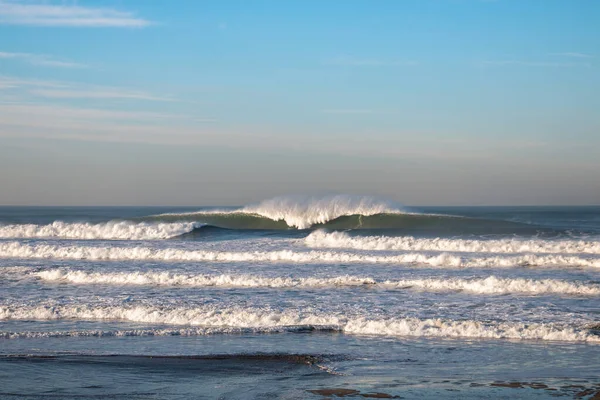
(338, 212)
(345, 212)
(173, 279)
(44, 251)
(303, 212)
(300, 212)
(489, 285)
(123, 230)
(232, 320)
(341, 240)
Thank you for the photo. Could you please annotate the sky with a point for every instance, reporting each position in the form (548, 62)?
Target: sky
(425, 102)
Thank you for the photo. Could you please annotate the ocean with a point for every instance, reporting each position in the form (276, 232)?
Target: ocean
(300, 297)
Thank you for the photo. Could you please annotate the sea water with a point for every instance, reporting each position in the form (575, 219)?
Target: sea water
(300, 297)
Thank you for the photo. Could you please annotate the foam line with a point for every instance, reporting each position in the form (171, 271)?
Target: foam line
(489, 285)
(44, 251)
(123, 230)
(341, 240)
(231, 319)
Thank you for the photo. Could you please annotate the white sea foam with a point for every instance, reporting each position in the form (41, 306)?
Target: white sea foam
(171, 279)
(489, 285)
(232, 319)
(45, 251)
(468, 329)
(124, 230)
(341, 240)
(176, 331)
(496, 285)
(304, 211)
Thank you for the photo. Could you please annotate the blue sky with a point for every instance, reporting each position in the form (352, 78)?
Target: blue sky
(228, 102)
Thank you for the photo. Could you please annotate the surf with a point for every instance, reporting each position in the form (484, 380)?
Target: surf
(210, 320)
(286, 213)
(16, 250)
(490, 285)
(342, 240)
(343, 212)
(111, 230)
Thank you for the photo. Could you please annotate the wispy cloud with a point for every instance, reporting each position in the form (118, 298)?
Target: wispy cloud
(572, 55)
(97, 93)
(358, 111)
(113, 126)
(40, 13)
(67, 90)
(25, 120)
(73, 113)
(368, 62)
(40, 59)
(103, 125)
(12, 82)
(535, 64)
(347, 111)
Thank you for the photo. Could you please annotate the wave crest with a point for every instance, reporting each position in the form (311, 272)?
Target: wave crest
(343, 212)
(489, 285)
(44, 251)
(171, 279)
(235, 319)
(122, 230)
(341, 240)
(303, 212)
(285, 212)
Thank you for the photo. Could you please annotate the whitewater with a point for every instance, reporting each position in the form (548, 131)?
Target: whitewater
(348, 286)
(302, 212)
(16, 250)
(489, 285)
(265, 321)
(123, 230)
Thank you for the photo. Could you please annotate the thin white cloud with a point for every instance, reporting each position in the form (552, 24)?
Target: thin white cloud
(65, 122)
(348, 111)
(66, 90)
(42, 13)
(358, 111)
(103, 125)
(12, 82)
(113, 126)
(40, 59)
(116, 126)
(368, 62)
(73, 113)
(97, 93)
(572, 55)
(535, 64)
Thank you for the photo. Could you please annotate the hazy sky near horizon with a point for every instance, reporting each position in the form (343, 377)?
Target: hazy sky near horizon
(425, 102)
